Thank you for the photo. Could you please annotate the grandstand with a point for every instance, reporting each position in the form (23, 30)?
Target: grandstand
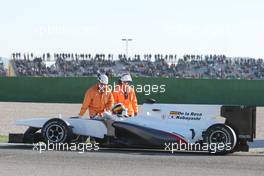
(148, 65)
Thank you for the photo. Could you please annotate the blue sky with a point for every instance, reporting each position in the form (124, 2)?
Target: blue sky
(232, 27)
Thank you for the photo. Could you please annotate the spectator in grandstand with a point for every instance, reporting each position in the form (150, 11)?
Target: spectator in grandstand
(2, 69)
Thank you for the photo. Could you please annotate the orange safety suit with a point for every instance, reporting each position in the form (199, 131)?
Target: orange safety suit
(97, 101)
(125, 94)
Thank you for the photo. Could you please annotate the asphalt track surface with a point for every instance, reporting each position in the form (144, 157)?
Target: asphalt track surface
(23, 161)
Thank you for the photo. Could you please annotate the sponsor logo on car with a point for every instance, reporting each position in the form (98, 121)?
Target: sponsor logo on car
(185, 115)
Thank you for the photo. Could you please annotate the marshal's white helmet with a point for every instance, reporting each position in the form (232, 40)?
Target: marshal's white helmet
(102, 78)
(125, 78)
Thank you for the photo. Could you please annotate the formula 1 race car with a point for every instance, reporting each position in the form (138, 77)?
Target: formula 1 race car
(158, 126)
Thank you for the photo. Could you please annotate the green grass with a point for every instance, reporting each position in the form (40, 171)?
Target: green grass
(3, 139)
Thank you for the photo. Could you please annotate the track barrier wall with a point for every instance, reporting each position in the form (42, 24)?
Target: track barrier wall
(179, 91)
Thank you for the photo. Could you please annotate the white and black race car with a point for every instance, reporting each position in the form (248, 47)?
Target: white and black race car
(156, 126)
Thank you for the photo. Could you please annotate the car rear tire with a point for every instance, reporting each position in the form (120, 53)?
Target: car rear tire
(56, 131)
(221, 139)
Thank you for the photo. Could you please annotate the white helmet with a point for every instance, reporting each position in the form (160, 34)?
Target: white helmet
(102, 78)
(125, 77)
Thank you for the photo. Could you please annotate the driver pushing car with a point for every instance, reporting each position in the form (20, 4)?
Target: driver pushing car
(98, 98)
(125, 94)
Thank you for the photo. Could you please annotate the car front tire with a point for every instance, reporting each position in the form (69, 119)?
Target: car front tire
(56, 131)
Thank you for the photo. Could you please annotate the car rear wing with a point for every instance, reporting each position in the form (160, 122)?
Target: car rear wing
(242, 119)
